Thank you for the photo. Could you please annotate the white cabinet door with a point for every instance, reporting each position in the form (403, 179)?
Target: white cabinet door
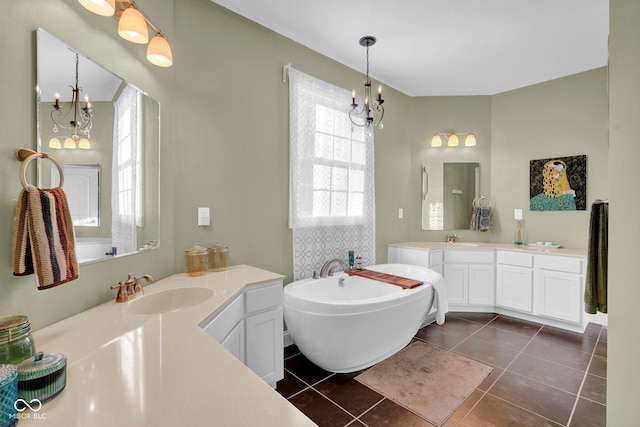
(265, 349)
(456, 279)
(481, 284)
(558, 295)
(234, 341)
(514, 288)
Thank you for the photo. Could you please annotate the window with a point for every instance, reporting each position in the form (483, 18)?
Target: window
(331, 160)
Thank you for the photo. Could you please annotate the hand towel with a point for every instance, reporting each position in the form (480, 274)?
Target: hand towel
(481, 219)
(440, 298)
(595, 290)
(43, 237)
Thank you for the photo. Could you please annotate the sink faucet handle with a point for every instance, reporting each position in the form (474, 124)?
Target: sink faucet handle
(122, 292)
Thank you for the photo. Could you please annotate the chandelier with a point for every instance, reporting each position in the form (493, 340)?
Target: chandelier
(79, 124)
(372, 112)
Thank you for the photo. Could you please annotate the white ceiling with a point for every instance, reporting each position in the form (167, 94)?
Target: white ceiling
(446, 47)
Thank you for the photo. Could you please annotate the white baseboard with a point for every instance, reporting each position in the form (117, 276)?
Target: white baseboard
(598, 318)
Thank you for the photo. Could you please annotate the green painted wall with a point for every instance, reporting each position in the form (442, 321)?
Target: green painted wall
(231, 133)
(563, 117)
(623, 375)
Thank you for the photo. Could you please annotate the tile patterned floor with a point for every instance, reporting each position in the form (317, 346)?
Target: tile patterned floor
(542, 376)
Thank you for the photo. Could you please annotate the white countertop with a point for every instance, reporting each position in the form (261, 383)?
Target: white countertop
(491, 246)
(127, 369)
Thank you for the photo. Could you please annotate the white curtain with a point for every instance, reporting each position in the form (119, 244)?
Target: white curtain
(125, 171)
(331, 176)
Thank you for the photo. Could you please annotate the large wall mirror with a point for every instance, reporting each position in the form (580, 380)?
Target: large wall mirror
(111, 163)
(448, 192)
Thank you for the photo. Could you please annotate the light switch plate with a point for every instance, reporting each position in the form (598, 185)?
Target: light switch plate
(517, 214)
(203, 217)
(400, 213)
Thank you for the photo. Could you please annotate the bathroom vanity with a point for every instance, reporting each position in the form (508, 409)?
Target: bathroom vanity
(544, 285)
(149, 362)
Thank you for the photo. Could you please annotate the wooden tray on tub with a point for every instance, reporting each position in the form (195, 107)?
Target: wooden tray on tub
(387, 278)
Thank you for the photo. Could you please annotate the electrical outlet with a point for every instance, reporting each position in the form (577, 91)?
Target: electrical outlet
(517, 214)
(203, 217)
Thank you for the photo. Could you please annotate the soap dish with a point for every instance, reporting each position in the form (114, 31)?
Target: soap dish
(42, 377)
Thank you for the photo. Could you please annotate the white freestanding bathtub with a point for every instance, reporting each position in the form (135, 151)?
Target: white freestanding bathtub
(356, 325)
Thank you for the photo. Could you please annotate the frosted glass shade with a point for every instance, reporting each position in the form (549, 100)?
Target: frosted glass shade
(133, 26)
(453, 140)
(470, 140)
(159, 52)
(100, 7)
(55, 143)
(69, 143)
(84, 143)
(436, 141)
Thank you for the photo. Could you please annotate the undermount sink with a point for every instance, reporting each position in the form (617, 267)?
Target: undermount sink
(463, 244)
(170, 300)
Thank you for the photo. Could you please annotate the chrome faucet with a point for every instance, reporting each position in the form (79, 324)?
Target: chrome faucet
(327, 267)
(452, 238)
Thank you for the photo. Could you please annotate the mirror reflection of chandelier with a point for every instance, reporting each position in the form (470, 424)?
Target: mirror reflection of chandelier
(79, 124)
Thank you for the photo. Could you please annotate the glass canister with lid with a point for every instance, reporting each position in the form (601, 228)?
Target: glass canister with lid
(196, 260)
(218, 257)
(16, 342)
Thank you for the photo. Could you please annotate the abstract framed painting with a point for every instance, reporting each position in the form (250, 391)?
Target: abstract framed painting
(558, 184)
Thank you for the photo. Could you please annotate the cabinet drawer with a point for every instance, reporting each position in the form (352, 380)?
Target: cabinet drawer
(515, 258)
(560, 263)
(472, 256)
(435, 258)
(220, 326)
(263, 298)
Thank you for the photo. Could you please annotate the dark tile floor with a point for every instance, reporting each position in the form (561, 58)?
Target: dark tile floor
(542, 376)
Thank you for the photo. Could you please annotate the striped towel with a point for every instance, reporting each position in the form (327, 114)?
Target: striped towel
(43, 237)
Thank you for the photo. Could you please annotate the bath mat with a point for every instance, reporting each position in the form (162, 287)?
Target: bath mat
(428, 381)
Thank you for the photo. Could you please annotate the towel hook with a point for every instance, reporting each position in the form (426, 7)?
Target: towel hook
(26, 155)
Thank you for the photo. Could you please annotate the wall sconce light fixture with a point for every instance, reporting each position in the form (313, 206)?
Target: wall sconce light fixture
(452, 139)
(132, 26)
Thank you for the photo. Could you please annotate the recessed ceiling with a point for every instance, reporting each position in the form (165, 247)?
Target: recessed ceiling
(446, 48)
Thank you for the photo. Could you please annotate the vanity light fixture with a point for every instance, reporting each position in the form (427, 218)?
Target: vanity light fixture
(372, 111)
(453, 139)
(100, 7)
(80, 123)
(133, 26)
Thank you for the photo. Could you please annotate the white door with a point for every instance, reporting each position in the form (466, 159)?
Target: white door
(481, 284)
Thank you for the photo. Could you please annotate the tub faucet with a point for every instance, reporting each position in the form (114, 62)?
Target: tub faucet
(327, 267)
